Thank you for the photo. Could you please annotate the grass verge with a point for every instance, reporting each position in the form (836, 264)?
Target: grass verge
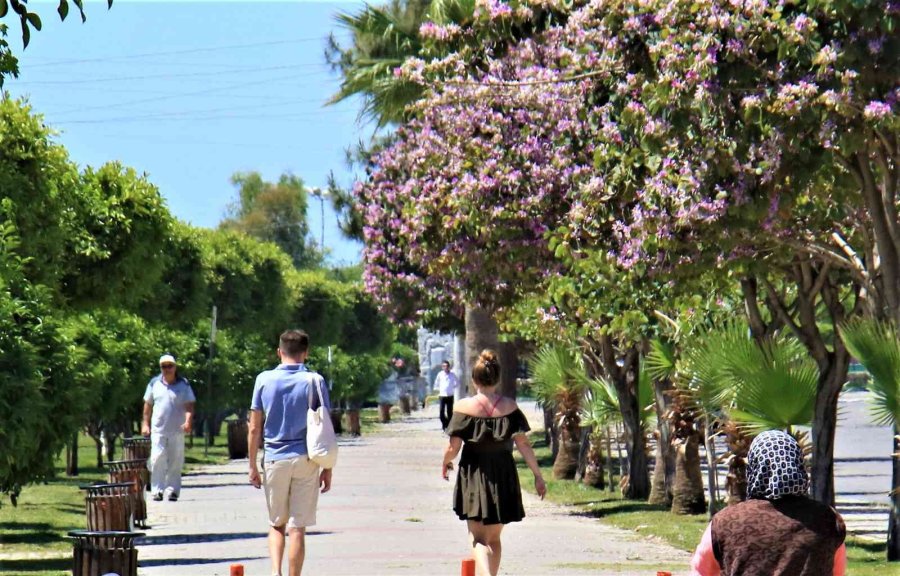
(865, 558)
(33, 538)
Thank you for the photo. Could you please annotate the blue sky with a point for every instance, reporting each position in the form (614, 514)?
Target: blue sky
(192, 92)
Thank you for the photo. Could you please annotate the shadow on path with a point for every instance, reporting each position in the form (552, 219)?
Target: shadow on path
(193, 561)
(42, 565)
(207, 538)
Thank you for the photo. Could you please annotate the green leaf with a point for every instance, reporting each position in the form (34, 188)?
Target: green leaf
(26, 33)
(80, 5)
(4, 8)
(35, 20)
(63, 9)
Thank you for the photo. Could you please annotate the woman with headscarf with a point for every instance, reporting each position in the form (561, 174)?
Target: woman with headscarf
(778, 530)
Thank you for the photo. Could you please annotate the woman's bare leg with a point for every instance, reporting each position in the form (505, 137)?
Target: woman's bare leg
(486, 547)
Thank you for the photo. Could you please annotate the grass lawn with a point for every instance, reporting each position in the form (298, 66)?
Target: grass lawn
(33, 534)
(865, 558)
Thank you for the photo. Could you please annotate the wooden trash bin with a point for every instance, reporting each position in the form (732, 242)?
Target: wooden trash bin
(384, 413)
(109, 507)
(131, 471)
(138, 448)
(237, 439)
(97, 553)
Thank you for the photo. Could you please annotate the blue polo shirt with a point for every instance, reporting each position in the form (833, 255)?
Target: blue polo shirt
(283, 396)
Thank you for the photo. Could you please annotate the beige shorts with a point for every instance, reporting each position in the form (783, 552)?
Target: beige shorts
(292, 492)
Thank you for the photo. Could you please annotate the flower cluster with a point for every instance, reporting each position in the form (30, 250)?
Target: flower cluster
(656, 133)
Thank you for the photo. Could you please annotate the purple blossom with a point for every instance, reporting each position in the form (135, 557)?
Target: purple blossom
(876, 110)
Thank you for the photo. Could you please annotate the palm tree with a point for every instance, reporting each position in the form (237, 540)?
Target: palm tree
(758, 385)
(384, 37)
(661, 366)
(560, 380)
(600, 410)
(876, 345)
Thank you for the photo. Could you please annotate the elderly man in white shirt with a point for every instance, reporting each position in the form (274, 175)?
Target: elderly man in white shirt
(446, 383)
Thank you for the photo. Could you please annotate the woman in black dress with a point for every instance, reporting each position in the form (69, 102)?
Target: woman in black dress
(487, 493)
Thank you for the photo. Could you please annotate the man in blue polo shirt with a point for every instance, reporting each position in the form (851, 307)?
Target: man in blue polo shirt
(281, 398)
(169, 401)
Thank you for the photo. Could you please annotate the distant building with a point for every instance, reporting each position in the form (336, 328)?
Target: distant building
(434, 348)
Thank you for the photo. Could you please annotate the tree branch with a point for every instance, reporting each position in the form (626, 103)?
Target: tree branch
(750, 288)
(778, 308)
(886, 243)
(820, 279)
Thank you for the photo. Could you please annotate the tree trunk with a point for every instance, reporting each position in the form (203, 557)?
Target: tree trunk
(72, 456)
(481, 333)
(893, 536)
(551, 435)
(738, 445)
(638, 485)
(509, 367)
(712, 476)
(609, 459)
(111, 439)
(593, 470)
(831, 382)
(664, 470)
(569, 424)
(583, 446)
(687, 496)
(659, 492)
(621, 368)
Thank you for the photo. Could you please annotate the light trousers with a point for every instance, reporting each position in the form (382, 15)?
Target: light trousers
(166, 462)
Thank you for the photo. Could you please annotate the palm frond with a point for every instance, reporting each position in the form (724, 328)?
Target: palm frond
(876, 346)
(557, 372)
(383, 38)
(452, 11)
(602, 406)
(761, 386)
(778, 390)
(660, 361)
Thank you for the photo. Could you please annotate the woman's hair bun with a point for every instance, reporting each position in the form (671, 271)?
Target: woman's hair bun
(489, 357)
(486, 371)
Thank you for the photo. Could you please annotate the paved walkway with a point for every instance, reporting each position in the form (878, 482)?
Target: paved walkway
(388, 514)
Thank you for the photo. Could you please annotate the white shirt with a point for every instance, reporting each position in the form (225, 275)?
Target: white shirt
(169, 403)
(446, 383)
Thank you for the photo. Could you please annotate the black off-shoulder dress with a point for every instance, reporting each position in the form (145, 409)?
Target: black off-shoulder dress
(487, 485)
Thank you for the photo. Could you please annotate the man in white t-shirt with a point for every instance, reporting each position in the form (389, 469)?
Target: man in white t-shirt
(169, 402)
(446, 383)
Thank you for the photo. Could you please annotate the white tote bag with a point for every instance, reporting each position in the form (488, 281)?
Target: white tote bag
(321, 442)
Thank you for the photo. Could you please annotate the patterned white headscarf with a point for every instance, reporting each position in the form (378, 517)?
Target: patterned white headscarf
(775, 467)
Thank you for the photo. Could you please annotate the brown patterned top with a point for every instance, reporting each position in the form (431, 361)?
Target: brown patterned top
(791, 536)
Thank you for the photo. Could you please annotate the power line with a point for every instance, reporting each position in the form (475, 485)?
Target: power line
(180, 95)
(208, 111)
(178, 52)
(184, 75)
(151, 118)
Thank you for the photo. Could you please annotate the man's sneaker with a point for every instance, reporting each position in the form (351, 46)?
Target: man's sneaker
(158, 497)
(173, 497)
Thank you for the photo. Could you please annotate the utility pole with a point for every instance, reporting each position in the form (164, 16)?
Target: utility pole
(321, 195)
(211, 414)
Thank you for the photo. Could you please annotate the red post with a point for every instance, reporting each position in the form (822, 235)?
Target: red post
(468, 567)
(237, 570)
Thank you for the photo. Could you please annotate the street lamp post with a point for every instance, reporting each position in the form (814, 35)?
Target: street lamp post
(320, 194)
